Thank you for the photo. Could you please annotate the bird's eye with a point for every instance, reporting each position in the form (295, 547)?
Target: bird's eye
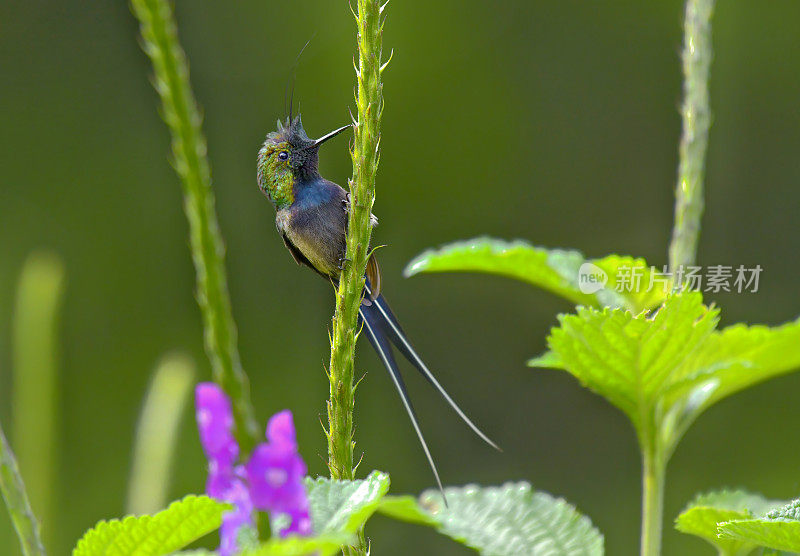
(283, 155)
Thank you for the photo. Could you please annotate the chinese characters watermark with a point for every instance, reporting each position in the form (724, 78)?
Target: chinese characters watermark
(641, 279)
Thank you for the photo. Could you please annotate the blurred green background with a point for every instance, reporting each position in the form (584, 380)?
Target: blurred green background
(556, 122)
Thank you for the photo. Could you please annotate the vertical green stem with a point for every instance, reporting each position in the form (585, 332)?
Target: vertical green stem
(653, 470)
(179, 109)
(35, 386)
(19, 508)
(696, 115)
(365, 154)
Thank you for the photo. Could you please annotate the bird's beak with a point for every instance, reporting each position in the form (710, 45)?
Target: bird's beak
(330, 135)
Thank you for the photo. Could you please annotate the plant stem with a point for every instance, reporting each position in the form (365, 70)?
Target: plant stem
(35, 371)
(189, 150)
(696, 116)
(17, 502)
(365, 154)
(653, 471)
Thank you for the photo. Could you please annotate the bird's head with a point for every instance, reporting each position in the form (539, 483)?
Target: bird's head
(288, 155)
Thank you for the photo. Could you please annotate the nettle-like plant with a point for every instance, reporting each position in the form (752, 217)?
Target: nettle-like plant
(644, 339)
(655, 352)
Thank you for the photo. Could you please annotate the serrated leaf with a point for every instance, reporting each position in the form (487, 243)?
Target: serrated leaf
(555, 270)
(517, 259)
(789, 511)
(664, 370)
(779, 529)
(706, 511)
(629, 358)
(738, 357)
(632, 279)
(169, 530)
(343, 506)
(778, 535)
(508, 520)
(737, 500)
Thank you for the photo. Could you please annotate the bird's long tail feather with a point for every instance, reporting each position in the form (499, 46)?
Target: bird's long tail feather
(392, 328)
(383, 330)
(377, 337)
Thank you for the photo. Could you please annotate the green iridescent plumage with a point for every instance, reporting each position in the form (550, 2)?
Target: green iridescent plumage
(275, 177)
(277, 181)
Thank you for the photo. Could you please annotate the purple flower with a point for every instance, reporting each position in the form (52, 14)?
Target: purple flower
(275, 473)
(215, 423)
(234, 520)
(280, 430)
(271, 480)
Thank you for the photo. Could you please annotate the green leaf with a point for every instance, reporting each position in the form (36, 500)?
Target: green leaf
(663, 370)
(779, 529)
(406, 508)
(510, 520)
(701, 516)
(343, 506)
(738, 357)
(629, 358)
(517, 259)
(169, 530)
(322, 545)
(555, 270)
(633, 280)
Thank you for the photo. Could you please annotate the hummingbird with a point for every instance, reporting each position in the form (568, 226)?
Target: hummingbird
(311, 217)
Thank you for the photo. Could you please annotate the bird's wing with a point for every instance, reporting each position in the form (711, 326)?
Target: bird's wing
(298, 256)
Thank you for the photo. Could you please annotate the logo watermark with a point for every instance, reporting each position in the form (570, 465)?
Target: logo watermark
(591, 278)
(641, 279)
